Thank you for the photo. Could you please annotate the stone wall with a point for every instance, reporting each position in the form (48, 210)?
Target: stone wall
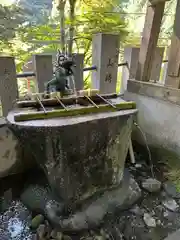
(158, 115)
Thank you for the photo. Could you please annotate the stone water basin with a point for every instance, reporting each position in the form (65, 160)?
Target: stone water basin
(80, 155)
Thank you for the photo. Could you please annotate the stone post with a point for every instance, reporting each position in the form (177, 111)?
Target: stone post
(173, 73)
(78, 71)
(8, 84)
(105, 54)
(152, 26)
(43, 69)
(131, 57)
(165, 67)
(157, 64)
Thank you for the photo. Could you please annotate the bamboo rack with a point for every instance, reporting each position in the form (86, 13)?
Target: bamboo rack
(66, 101)
(34, 115)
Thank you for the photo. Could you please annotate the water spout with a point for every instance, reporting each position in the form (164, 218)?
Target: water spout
(147, 147)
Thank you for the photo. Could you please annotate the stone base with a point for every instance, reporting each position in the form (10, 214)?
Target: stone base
(81, 164)
(92, 212)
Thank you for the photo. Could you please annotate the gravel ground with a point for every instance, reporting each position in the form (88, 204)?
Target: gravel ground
(153, 217)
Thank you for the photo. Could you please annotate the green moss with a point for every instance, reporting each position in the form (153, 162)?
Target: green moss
(173, 171)
(172, 162)
(72, 112)
(36, 221)
(166, 161)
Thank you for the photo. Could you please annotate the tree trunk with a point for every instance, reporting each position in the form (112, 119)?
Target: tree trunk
(71, 28)
(61, 7)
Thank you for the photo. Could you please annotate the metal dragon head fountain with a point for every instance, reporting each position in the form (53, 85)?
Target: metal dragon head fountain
(62, 76)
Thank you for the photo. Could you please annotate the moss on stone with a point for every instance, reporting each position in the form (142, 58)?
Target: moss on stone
(169, 158)
(36, 221)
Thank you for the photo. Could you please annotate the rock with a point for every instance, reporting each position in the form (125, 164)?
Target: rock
(9, 213)
(37, 221)
(166, 214)
(41, 231)
(48, 228)
(134, 193)
(64, 237)
(135, 228)
(56, 235)
(53, 234)
(93, 213)
(153, 213)
(149, 221)
(99, 238)
(163, 194)
(60, 236)
(35, 198)
(6, 200)
(87, 238)
(171, 190)
(53, 209)
(151, 185)
(9, 160)
(171, 205)
(77, 222)
(159, 222)
(171, 216)
(138, 165)
(35, 236)
(111, 231)
(104, 234)
(137, 210)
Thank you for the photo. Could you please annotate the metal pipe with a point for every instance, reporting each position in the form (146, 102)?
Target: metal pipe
(123, 64)
(26, 74)
(89, 68)
(32, 74)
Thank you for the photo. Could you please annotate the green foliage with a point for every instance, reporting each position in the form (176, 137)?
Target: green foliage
(99, 17)
(10, 19)
(43, 32)
(168, 19)
(96, 16)
(91, 16)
